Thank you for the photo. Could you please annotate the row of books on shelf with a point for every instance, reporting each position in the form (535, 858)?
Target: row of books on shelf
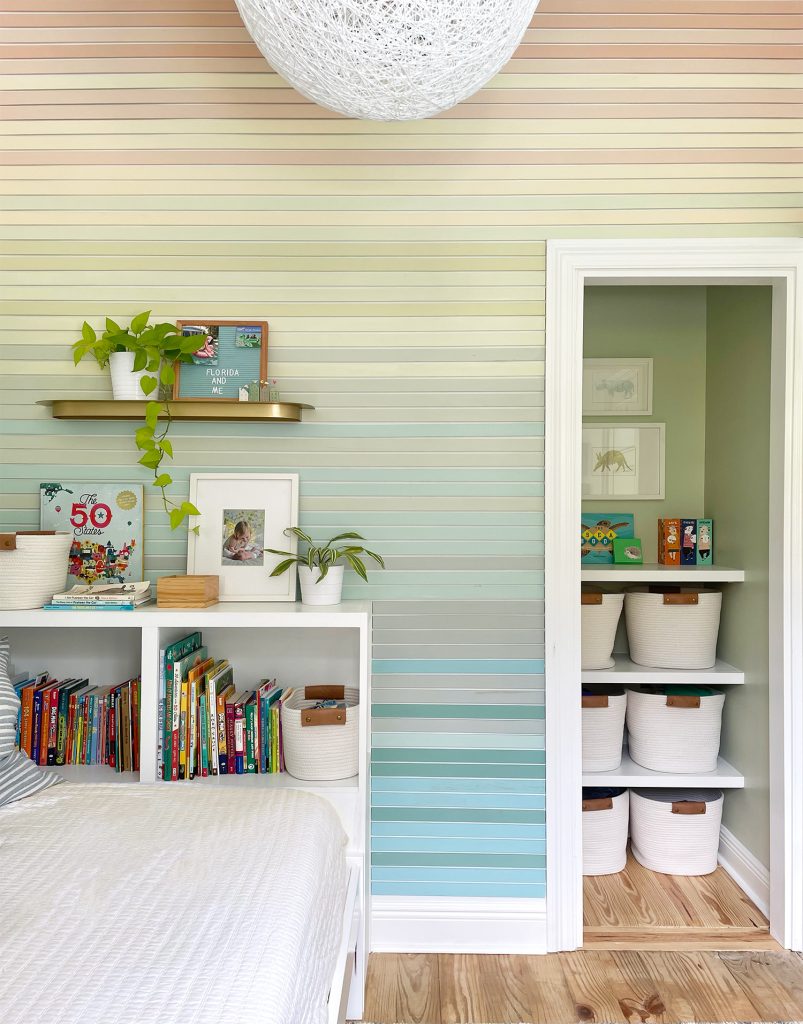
(70, 722)
(102, 596)
(207, 727)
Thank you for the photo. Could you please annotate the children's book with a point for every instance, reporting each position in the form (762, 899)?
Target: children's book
(598, 532)
(106, 524)
(174, 653)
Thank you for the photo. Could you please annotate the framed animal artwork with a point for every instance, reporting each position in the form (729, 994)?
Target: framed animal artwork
(624, 460)
(617, 387)
(599, 531)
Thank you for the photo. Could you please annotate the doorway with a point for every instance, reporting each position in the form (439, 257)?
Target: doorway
(583, 280)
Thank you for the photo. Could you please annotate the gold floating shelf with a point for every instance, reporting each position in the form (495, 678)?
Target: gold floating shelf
(183, 409)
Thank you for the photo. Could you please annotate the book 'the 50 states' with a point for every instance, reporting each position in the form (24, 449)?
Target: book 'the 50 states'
(106, 524)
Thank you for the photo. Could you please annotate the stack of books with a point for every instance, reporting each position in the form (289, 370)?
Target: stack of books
(103, 597)
(70, 722)
(207, 727)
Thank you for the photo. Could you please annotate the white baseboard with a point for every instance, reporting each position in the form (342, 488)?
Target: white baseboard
(745, 869)
(435, 924)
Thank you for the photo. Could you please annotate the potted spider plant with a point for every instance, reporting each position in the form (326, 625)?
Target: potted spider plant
(320, 568)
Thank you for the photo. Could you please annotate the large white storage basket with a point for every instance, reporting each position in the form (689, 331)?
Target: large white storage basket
(603, 729)
(33, 567)
(676, 831)
(605, 815)
(599, 618)
(321, 744)
(675, 732)
(673, 630)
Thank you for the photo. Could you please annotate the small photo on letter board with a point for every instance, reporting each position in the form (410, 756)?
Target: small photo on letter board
(231, 354)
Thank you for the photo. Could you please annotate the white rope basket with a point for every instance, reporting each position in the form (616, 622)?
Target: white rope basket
(34, 569)
(599, 617)
(676, 831)
(674, 733)
(321, 745)
(603, 729)
(394, 60)
(673, 630)
(604, 832)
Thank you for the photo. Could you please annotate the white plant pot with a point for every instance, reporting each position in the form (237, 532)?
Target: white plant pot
(328, 591)
(125, 380)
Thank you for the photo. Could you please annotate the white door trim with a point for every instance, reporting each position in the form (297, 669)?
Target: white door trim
(570, 265)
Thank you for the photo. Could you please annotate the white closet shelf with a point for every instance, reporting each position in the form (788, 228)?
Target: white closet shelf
(627, 673)
(631, 774)
(652, 572)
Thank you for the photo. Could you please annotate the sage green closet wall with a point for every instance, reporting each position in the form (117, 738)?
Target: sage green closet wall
(737, 497)
(667, 324)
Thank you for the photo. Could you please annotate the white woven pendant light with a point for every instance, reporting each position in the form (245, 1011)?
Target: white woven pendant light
(387, 60)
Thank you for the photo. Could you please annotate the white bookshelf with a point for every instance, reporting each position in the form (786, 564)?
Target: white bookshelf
(652, 572)
(627, 673)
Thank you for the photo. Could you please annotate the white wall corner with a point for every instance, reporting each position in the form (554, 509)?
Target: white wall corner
(745, 869)
(434, 924)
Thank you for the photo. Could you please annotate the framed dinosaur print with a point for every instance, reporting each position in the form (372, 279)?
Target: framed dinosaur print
(624, 460)
(617, 387)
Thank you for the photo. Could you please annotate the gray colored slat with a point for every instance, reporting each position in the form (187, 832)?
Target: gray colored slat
(466, 651)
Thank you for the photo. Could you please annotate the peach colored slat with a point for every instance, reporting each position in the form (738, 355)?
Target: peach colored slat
(660, 19)
(641, 37)
(668, 7)
(71, 51)
(609, 51)
(125, 5)
(333, 157)
(546, 98)
(82, 19)
(563, 112)
(245, 66)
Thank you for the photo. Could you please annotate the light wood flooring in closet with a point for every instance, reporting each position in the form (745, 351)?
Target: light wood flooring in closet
(642, 910)
(590, 986)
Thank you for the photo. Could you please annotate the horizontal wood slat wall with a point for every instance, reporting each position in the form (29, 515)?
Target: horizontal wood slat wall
(151, 159)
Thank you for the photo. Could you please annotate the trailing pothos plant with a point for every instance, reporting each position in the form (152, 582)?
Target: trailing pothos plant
(327, 555)
(157, 348)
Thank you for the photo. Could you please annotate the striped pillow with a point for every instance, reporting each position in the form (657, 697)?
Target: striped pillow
(19, 776)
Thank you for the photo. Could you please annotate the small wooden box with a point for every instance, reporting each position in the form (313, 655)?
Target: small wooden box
(187, 591)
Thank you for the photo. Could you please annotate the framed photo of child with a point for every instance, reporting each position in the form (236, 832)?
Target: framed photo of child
(231, 354)
(242, 515)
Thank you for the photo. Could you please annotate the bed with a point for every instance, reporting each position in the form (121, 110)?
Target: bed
(174, 904)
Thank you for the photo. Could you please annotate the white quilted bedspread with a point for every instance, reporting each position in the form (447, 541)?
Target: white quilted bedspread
(183, 904)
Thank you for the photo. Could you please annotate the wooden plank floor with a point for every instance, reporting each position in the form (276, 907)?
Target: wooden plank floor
(641, 910)
(590, 986)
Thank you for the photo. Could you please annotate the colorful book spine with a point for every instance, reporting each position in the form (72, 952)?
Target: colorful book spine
(239, 737)
(705, 541)
(688, 542)
(231, 756)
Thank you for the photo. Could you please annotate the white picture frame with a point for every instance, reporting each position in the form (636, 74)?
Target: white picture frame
(243, 514)
(617, 387)
(624, 461)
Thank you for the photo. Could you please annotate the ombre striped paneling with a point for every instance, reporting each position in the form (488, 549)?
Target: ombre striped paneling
(150, 159)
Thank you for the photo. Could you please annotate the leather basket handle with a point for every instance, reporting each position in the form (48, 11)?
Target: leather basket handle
(688, 807)
(687, 598)
(595, 700)
(323, 716)
(325, 692)
(682, 700)
(590, 598)
(602, 803)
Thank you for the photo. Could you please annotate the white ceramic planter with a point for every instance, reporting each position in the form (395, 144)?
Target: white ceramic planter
(328, 591)
(125, 380)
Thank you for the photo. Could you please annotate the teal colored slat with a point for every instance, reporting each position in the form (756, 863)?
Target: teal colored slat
(458, 860)
(465, 771)
(482, 814)
(430, 756)
(474, 801)
(515, 712)
(421, 844)
(476, 784)
(466, 831)
(479, 875)
(483, 890)
(384, 736)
